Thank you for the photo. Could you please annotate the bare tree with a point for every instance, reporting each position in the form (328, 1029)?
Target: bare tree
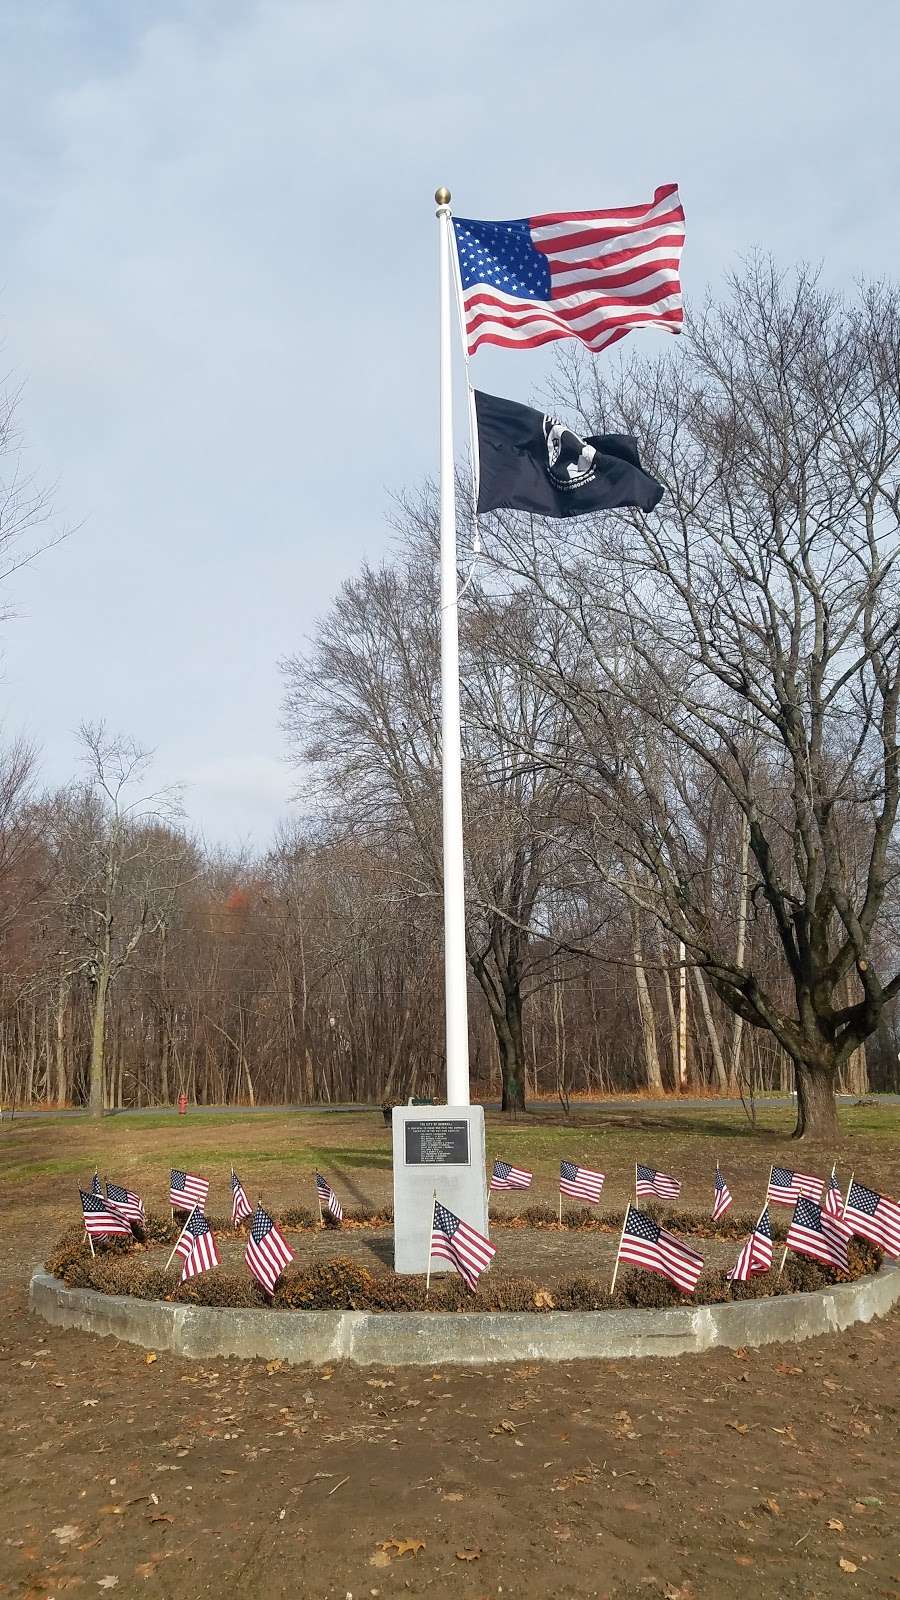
(747, 636)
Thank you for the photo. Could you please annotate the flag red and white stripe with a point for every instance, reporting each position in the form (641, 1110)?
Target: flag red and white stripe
(186, 1191)
(240, 1205)
(786, 1187)
(267, 1252)
(588, 275)
(505, 1176)
(124, 1203)
(648, 1181)
(721, 1197)
(834, 1200)
(580, 1183)
(814, 1233)
(327, 1198)
(99, 1220)
(460, 1244)
(202, 1254)
(873, 1216)
(756, 1254)
(645, 1244)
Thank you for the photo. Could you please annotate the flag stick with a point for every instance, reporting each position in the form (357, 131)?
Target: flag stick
(431, 1231)
(769, 1184)
(619, 1251)
(783, 1260)
(847, 1195)
(455, 965)
(319, 1198)
(180, 1237)
(90, 1242)
(635, 1183)
(560, 1207)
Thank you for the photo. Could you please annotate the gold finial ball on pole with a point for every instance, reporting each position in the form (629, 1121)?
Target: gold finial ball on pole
(442, 196)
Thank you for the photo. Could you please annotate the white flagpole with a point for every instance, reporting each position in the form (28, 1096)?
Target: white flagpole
(619, 1251)
(430, 1236)
(457, 1022)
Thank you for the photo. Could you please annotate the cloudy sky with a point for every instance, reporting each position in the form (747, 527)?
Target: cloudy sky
(218, 287)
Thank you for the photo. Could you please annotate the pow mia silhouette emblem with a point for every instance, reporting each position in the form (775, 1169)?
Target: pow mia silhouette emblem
(571, 462)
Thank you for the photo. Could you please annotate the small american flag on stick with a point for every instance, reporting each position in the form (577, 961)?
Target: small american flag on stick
(505, 1176)
(267, 1253)
(786, 1187)
(327, 1198)
(834, 1200)
(645, 1244)
(721, 1196)
(459, 1243)
(814, 1233)
(99, 1220)
(873, 1216)
(240, 1205)
(202, 1253)
(127, 1205)
(756, 1254)
(186, 1191)
(648, 1181)
(580, 1183)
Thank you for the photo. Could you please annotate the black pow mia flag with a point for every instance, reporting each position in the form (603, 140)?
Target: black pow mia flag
(529, 461)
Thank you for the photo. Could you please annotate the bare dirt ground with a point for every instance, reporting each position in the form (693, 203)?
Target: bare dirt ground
(763, 1473)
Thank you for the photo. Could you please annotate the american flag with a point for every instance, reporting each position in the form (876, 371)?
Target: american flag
(328, 1198)
(506, 1177)
(588, 275)
(96, 1185)
(834, 1200)
(814, 1233)
(580, 1183)
(721, 1197)
(467, 1249)
(646, 1244)
(873, 1216)
(186, 1191)
(128, 1205)
(267, 1253)
(98, 1220)
(184, 1244)
(786, 1187)
(756, 1254)
(647, 1181)
(240, 1205)
(202, 1253)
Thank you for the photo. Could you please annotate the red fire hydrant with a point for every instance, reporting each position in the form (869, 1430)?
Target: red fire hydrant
(182, 1104)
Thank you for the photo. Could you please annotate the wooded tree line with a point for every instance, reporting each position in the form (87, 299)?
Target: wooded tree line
(680, 740)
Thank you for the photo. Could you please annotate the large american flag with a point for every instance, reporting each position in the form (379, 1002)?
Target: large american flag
(588, 275)
(648, 1181)
(814, 1233)
(127, 1205)
(186, 1191)
(267, 1253)
(202, 1253)
(646, 1244)
(721, 1197)
(240, 1205)
(505, 1176)
(756, 1254)
(459, 1243)
(96, 1185)
(786, 1187)
(328, 1198)
(580, 1183)
(873, 1216)
(98, 1219)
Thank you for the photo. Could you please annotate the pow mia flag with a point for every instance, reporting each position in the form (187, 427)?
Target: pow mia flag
(529, 461)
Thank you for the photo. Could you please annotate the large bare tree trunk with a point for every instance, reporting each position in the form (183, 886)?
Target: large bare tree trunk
(714, 1045)
(734, 1064)
(816, 1109)
(645, 1005)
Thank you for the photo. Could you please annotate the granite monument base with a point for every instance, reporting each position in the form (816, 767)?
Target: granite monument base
(436, 1149)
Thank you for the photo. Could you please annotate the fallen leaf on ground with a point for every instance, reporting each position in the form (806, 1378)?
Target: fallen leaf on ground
(145, 1569)
(407, 1546)
(835, 1524)
(109, 1582)
(678, 1591)
(66, 1533)
(454, 1495)
(847, 1566)
(771, 1505)
(468, 1555)
(148, 1362)
(788, 1371)
(380, 1559)
(544, 1301)
(739, 1427)
(744, 1561)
